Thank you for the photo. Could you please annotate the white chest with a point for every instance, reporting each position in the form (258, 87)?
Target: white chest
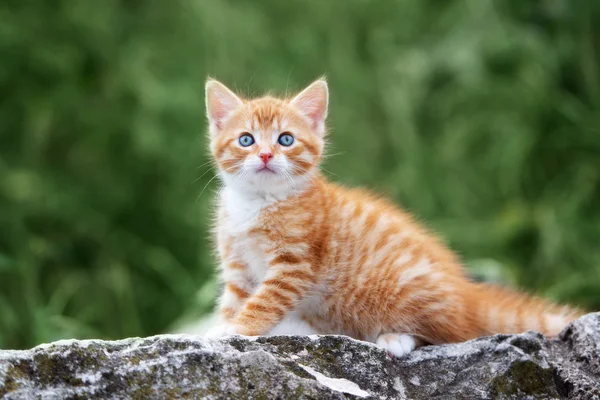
(241, 214)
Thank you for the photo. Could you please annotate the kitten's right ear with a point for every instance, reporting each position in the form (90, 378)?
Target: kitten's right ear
(220, 103)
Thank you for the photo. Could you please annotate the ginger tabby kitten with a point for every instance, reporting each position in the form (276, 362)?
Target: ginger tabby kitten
(300, 255)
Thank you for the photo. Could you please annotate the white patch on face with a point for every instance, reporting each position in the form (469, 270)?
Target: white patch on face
(277, 181)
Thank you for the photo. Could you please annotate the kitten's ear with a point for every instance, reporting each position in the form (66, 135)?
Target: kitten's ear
(312, 102)
(220, 103)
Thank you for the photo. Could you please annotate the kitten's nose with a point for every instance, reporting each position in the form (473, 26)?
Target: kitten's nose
(265, 157)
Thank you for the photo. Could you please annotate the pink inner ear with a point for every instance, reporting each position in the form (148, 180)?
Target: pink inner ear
(219, 112)
(312, 102)
(220, 108)
(221, 102)
(316, 116)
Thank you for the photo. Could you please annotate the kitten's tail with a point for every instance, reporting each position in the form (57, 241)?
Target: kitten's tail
(501, 310)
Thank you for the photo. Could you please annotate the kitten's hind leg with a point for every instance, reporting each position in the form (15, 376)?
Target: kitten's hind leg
(398, 344)
(292, 325)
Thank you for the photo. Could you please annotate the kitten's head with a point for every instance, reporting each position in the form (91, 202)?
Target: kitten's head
(266, 145)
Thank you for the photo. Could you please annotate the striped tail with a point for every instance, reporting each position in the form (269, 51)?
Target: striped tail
(502, 310)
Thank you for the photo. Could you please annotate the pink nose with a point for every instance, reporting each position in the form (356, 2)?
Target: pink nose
(265, 157)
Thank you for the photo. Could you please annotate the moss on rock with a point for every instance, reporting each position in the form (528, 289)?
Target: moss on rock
(326, 367)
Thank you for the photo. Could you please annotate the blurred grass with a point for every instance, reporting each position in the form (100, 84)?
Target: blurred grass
(481, 117)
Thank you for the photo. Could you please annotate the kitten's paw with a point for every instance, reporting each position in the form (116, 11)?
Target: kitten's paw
(293, 325)
(397, 344)
(221, 330)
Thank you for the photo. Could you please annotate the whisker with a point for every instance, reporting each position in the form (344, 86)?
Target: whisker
(241, 175)
(326, 155)
(249, 82)
(289, 178)
(205, 186)
(326, 170)
(211, 179)
(310, 176)
(206, 163)
(200, 177)
(287, 82)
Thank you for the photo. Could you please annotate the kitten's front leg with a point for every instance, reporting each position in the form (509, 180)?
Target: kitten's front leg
(288, 279)
(237, 289)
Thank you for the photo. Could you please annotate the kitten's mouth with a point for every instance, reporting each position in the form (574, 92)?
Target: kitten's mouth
(265, 169)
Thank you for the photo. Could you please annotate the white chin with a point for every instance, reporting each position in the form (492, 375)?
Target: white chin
(266, 172)
(265, 177)
(257, 181)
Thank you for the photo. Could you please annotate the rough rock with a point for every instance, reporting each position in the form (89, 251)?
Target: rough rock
(316, 367)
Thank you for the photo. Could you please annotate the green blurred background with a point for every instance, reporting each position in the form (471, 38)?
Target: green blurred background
(480, 117)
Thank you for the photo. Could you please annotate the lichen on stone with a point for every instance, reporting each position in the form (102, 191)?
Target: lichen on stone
(315, 367)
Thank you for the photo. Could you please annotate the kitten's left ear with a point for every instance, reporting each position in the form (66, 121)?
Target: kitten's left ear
(220, 104)
(312, 102)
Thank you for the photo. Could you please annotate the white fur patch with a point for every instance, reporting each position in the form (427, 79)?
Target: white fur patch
(239, 278)
(397, 344)
(293, 325)
(219, 331)
(555, 323)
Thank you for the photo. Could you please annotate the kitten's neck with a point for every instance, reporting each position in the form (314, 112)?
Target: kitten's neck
(274, 193)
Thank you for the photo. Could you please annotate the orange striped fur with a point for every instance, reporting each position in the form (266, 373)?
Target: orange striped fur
(302, 255)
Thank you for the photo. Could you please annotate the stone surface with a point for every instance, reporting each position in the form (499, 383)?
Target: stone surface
(327, 367)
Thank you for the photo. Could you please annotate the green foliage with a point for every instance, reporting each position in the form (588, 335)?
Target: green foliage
(481, 117)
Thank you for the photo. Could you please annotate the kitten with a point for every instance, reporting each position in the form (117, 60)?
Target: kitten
(300, 255)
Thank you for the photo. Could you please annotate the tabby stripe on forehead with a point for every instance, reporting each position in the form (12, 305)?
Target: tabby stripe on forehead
(266, 115)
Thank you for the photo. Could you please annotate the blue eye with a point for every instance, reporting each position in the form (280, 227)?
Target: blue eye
(285, 139)
(246, 140)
